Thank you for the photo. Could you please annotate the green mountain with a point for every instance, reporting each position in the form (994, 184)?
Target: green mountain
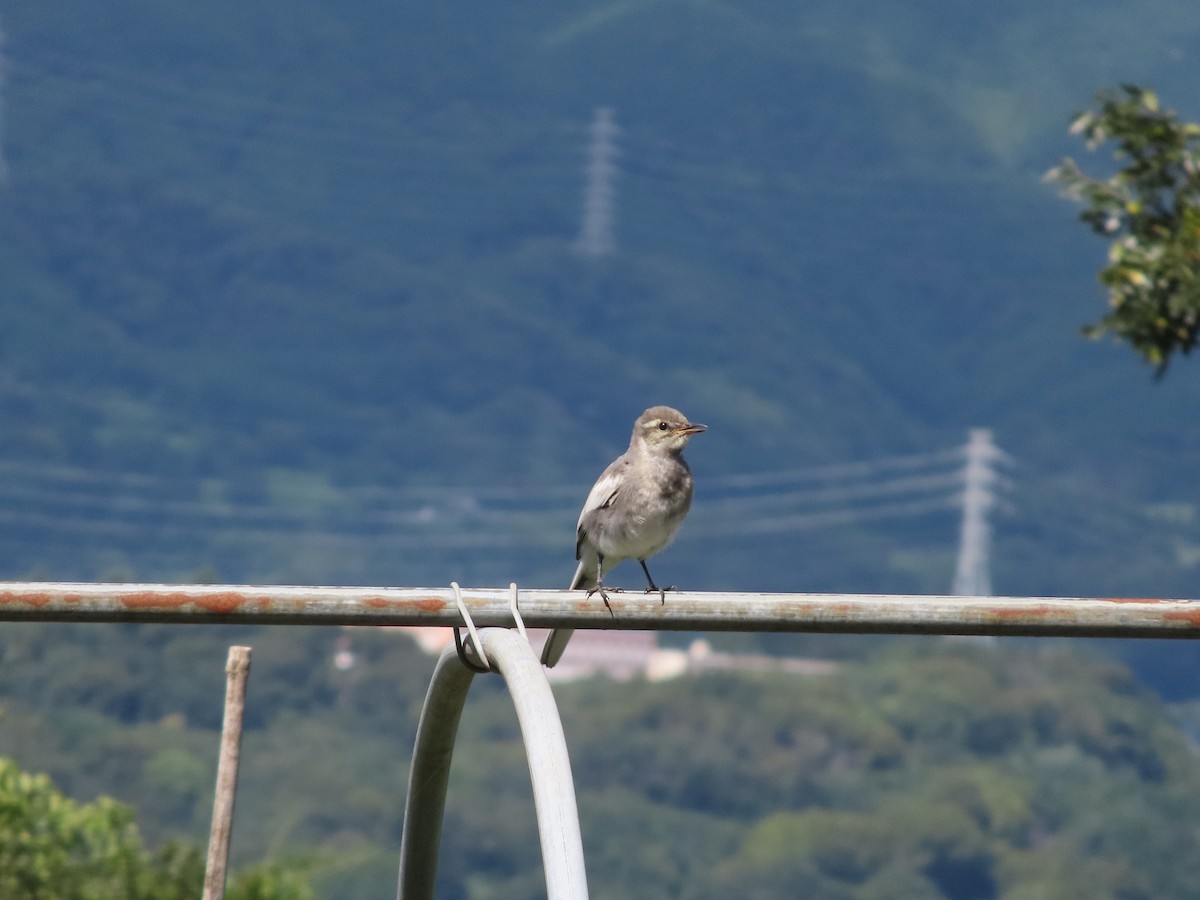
(270, 273)
(291, 293)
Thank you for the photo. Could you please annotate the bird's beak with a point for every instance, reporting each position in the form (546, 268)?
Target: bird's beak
(691, 428)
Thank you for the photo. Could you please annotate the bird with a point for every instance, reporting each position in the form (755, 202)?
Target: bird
(633, 510)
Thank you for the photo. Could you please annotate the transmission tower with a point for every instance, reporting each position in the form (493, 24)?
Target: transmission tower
(972, 576)
(596, 232)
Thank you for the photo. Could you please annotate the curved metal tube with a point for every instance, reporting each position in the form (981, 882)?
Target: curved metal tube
(545, 748)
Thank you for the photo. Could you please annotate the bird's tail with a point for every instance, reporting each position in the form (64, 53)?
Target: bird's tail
(552, 651)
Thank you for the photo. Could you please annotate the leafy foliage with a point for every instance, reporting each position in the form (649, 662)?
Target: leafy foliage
(927, 773)
(1151, 210)
(52, 848)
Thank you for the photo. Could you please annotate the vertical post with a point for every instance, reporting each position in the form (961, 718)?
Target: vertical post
(236, 671)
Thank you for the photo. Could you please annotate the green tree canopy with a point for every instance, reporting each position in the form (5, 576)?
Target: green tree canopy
(1150, 208)
(52, 848)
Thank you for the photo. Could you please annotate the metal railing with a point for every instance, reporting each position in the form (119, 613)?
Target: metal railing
(683, 611)
(510, 655)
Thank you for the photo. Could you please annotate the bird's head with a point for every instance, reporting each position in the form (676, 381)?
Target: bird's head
(664, 430)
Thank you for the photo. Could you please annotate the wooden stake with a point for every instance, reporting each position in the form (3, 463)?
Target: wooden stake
(236, 671)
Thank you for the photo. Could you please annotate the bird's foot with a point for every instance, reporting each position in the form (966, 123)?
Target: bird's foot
(662, 592)
(603, 592)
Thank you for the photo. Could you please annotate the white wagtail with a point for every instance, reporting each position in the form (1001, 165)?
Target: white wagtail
(634, 508)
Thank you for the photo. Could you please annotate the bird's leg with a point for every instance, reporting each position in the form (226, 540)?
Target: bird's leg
(599, 588)
(662, 592)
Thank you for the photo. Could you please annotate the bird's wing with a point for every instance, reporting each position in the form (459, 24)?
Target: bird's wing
(603, 494)
(604, 491)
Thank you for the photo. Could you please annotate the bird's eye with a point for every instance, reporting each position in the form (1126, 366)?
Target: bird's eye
(662, 426)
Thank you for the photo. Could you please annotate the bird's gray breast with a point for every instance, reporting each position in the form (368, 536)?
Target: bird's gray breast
(675, 488)
(645, 514)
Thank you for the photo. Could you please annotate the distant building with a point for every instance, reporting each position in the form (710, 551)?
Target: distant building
(624, 655)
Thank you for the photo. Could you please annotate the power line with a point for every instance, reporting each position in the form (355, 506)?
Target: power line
(98, 481)
(861, 469)
(144, 518)
(47, 504)
(845, 495)
(123, 514)
(807, 520)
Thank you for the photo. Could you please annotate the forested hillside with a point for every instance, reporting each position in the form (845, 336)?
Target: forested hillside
(290, 292)
(270, 269)
(936, 769)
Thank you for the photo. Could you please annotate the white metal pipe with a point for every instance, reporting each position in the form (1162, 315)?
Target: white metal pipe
(429, 776)
(545, 749)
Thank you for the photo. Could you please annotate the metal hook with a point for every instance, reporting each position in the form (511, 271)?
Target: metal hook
(475, 643)
(516, 613)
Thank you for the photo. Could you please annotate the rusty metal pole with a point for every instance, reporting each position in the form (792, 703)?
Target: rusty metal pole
(684, 610)
(236, 671)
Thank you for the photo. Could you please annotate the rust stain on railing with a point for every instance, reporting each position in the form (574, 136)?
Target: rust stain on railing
(427, 605)
(1191, 616)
